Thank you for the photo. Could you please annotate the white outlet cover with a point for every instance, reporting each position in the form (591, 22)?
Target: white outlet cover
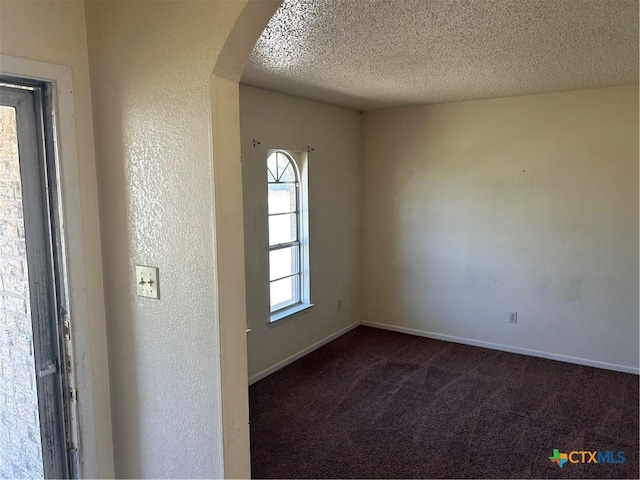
(147, 282)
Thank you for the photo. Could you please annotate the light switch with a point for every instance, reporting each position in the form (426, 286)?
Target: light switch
(147, 281)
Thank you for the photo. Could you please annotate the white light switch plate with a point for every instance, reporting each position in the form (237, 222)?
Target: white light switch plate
(147, 281)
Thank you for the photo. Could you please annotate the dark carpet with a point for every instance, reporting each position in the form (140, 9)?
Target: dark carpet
(378, 404)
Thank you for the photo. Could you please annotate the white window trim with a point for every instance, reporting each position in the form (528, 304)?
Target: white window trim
(301, 161)
(88, 326)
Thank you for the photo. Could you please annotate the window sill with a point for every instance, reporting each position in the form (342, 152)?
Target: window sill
(289, 313)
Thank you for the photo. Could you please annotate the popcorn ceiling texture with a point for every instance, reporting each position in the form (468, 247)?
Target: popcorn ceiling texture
(369, 54)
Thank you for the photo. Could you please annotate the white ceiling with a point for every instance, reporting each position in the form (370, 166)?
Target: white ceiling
(378, 53)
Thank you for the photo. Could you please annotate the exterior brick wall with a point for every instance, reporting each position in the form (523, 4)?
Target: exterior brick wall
(20, 446)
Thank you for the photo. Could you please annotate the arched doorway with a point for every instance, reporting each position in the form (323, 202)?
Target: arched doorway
(229, 232)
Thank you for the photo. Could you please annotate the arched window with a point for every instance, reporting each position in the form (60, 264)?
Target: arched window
(287, 259)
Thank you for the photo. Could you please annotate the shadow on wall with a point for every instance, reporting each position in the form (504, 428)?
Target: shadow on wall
(528, 204)
(114, 187)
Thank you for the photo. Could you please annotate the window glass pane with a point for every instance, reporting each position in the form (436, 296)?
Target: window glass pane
(280, 168)
(282, 229)
(24, 454)
(283, 162)
(283, 262)
(282, 198)
(272, 168)
(285, 292)
(288, 174)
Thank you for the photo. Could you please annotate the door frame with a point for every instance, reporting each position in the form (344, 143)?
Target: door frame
(47, 294)
(86, 297)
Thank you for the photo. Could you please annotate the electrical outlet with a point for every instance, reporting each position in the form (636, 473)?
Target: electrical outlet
(513, 317)
(147, 282)
(339, 304)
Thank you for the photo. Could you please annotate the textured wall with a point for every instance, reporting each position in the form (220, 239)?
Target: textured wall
(152, 104)
(530, 204)
(20, 450)
(281, 121)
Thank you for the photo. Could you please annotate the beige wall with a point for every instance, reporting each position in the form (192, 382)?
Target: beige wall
(151, 66)
(54, 32)
(281, 121)
(474, 209)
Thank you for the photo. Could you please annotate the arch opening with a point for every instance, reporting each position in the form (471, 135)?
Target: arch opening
(229, 232)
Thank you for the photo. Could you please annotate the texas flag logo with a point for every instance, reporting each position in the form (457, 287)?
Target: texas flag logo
(559, 458)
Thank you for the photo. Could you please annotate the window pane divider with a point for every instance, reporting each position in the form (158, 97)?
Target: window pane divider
(286, 276)
(283, 213)
(281, 246)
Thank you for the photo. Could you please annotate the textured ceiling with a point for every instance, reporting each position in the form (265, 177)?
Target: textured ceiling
(379, 53)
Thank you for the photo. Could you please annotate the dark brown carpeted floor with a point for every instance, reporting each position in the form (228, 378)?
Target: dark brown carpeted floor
(378, 404)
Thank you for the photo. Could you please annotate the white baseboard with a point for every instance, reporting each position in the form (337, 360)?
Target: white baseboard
(300, 354)
(506, 348)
